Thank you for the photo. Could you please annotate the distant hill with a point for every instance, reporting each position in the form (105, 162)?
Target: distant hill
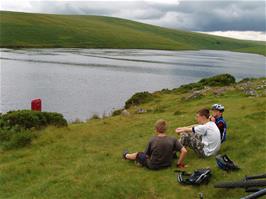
(79, 31)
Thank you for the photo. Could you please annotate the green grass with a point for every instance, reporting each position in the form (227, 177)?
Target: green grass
(44, 30)
(84, 160)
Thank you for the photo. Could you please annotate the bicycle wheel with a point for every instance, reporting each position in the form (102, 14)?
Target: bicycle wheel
(256, 195)
(256, 177)
(241, 184)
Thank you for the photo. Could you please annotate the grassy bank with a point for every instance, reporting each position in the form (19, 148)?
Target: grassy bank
(84, 160)
(65, 31)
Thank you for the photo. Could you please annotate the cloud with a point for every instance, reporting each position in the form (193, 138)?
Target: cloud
(197, 15)
(217, 16)
(247, 35)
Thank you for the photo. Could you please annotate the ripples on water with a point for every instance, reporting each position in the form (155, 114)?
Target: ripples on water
(83, 82)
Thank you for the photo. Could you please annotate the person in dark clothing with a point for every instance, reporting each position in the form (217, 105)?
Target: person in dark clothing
(217, 117)
(159, 151)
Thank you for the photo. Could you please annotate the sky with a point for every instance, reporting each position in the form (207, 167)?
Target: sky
(240, 19)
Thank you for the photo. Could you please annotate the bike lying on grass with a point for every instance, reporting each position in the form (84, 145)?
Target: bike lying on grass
(256, 184)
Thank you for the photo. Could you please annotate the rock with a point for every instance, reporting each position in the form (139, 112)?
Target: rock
(245, 85)
(141, 110)
(194, 95)
(125, 113)
(260, 87)
(250, 92)
(207, 88)
(219, 91)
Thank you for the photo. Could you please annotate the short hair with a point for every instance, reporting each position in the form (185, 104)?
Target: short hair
(204, 112)
(161, 126)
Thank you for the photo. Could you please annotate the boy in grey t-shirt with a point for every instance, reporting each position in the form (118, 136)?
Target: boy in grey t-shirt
(159, 151)
(204, 138)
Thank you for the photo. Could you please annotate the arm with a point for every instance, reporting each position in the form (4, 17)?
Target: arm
(148, 149)
(184, 130)
(200, 130)
(220, 125)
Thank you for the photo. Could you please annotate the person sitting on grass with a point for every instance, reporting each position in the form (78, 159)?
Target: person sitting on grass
(159, 151)
(204, 138)
(217, 117)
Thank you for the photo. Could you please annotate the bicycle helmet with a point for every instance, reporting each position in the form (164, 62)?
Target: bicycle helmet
(224, 163)
(218, 107)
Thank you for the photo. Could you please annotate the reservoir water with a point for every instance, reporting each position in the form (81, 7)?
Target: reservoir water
(81, 82)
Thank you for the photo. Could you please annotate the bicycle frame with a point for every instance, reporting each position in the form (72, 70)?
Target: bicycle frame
(250, 184)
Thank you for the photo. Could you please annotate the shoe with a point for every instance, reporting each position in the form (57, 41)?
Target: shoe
(124, 154)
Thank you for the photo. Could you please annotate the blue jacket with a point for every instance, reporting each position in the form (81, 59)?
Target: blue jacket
(221, 124)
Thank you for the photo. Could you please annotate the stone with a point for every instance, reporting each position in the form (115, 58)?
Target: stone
(219, 91)
(125, 113)
(194, 95)
(250, 92)
(141, 110)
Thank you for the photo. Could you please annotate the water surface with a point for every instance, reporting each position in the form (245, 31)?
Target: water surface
(81, 82)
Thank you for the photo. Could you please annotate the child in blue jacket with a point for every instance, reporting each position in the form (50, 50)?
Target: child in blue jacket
(217, 117)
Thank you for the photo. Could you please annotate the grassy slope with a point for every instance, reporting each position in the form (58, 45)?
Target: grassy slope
(42, 30)
(84, 160)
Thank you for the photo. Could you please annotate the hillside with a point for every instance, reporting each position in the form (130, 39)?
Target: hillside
(83, 160)
(46, 30)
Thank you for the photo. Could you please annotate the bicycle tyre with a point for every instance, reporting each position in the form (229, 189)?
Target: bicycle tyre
(256, 177)
(255, 195)
(241, 184)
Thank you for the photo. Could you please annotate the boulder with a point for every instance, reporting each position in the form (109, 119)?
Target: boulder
(193, 95)
(219, 91)
(250, 92)
(125, 113)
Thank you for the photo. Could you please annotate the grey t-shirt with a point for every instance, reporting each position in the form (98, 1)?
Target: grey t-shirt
(160, 151)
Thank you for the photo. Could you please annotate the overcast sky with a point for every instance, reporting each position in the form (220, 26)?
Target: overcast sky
(241, 19)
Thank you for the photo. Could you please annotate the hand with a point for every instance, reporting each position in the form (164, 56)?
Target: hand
(179, 130)
(212, 118)
(181, 166)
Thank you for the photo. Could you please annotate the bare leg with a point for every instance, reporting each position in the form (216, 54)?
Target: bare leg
(131, 156)
(182, 156)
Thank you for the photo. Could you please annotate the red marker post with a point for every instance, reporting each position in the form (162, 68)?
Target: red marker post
(36, 105)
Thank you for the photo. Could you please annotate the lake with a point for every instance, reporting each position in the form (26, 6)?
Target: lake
(81, 82)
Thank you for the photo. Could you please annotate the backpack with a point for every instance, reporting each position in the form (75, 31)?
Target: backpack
(198, 177)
